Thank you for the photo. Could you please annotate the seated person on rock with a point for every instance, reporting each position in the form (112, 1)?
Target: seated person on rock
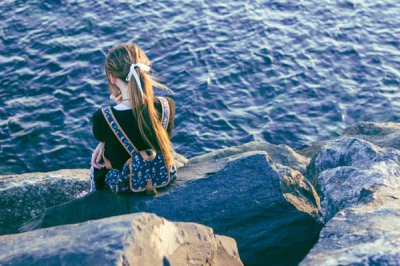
(139, 115)
(143, 122)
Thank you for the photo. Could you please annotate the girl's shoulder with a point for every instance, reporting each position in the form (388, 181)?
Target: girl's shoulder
(98, 115)
(98, 124)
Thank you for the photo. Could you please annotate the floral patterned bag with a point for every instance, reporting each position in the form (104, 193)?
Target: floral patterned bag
(143, 171)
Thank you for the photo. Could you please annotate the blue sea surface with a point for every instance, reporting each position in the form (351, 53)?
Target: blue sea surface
(286, 72)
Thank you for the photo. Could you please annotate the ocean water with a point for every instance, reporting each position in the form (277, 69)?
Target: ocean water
(287, 72)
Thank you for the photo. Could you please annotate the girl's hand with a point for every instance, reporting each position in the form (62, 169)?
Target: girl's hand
(97, 156)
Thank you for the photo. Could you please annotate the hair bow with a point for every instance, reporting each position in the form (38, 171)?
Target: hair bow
(132, 72)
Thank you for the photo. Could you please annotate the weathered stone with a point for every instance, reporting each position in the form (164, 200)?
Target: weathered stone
(25, 196)
(133, 239)
(267, 206)
(281, 154)
(380, 134)
(359, 186)
(269, 209)
(180, 160)
(297, 190)
(346, 166)
(366, 234)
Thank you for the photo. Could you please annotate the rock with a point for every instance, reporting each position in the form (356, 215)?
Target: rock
(25, 196)
(366, 234)
(381, 134)
(281, 154)
(133, 239)
(269, 209)
(358, 183)
(348, 165)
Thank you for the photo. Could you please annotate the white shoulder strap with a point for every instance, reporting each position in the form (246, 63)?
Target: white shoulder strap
(165, 111)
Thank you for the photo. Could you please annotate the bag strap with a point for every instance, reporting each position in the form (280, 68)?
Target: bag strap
(164, 122)
(165, 112)
(119, 133)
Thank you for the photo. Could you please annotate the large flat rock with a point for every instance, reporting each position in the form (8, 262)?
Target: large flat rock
(133, 239)
(271, 210)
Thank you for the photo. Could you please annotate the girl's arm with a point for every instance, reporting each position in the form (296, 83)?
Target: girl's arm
(97, 154)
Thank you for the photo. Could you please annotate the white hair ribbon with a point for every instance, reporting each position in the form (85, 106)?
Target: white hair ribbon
(132, 72)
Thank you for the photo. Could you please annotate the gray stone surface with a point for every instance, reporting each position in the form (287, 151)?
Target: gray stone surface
(359, 184)
(297, 190)
(257, 199)
(260, 200)
(180, 160)
(380, 134)
(133, 239)
(25, 196)
(346, 166)
(313, 149)
(365, 234)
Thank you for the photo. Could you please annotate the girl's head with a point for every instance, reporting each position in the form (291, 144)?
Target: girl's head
(117, 67)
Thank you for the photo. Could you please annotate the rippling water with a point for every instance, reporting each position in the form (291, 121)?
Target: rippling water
(290, 72)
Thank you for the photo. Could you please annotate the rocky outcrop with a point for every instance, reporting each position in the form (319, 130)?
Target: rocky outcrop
(180, 160)
(25, 196)
(134, 239)
(348, 166)
(312, 150)
(358, 183)
(257, 194)
(269, 209)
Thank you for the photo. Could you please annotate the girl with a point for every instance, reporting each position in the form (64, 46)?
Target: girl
(138, 113)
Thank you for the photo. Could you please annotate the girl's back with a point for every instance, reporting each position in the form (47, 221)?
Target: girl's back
(114, 151)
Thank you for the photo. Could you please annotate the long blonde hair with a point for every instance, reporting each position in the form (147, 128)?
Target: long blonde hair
(118, 63)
